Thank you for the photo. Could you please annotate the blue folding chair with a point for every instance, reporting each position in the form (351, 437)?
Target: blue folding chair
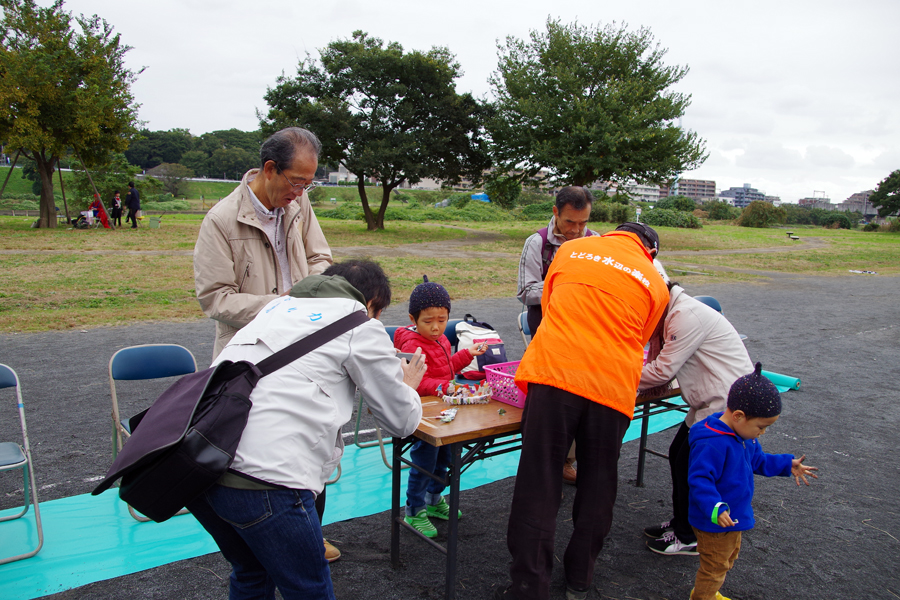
(710, 302)
(150, 361)
(15, 456)
(524, 330)
(379, 440)
(716, 306)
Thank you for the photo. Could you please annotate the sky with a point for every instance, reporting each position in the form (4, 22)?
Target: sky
(798, 98)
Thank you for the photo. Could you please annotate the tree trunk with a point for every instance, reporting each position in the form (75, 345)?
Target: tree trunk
(48, 203)
(367, 212)
(385, 198)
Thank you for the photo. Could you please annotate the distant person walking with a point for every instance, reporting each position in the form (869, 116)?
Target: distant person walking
(115, 211)
(133, 203)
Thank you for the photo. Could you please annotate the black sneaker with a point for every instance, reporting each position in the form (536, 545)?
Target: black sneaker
(670, 545)
(658, 531)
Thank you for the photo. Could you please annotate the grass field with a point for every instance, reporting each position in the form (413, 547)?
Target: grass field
(65, 278)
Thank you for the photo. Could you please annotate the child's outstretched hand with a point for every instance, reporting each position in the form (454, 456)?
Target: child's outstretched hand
(800, 471)
(478, 349)
(725, 520)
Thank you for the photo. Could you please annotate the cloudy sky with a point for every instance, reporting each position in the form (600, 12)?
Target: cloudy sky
(796, 97)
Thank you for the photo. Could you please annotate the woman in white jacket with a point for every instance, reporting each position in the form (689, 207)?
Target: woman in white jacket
(706, 354)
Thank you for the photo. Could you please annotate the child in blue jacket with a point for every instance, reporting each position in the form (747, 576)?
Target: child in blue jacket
(725, 454)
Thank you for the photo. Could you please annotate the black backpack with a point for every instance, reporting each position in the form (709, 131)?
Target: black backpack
(187, 439)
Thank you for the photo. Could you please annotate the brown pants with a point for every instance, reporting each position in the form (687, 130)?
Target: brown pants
(718, 551)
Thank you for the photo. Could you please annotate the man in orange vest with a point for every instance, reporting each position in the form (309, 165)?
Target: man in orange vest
(602, 301)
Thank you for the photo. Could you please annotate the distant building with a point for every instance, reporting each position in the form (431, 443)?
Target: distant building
(742, 196)
(696, 189)
(774, 200)
(859, 202)
(817, 202)
(641, 192)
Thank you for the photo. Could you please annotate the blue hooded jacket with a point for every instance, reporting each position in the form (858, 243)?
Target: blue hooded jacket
(720, 475)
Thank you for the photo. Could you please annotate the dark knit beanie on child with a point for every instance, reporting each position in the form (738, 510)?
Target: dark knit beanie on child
(428, 295)
(755, 395)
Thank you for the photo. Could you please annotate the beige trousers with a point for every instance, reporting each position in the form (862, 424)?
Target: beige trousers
(718, 551)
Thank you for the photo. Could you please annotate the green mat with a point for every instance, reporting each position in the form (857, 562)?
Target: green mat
(88, 538)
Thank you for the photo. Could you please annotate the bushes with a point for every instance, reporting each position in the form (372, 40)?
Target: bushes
(537, 212)
(605, 212)
(661, 217)
(682, 203)
(472, 211)
(837, 221)
(166, 206)
(761, 214)
(721, 211)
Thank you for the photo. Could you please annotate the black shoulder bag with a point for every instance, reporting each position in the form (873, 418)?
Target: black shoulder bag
(186, 440)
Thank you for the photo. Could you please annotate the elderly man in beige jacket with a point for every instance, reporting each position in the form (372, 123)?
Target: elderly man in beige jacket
(263, 237)
(260, 240)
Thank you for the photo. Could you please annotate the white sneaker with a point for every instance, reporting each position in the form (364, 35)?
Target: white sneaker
(670, 545)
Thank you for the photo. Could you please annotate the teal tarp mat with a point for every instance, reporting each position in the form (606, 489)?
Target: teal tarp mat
(88, 538)
(783, 382)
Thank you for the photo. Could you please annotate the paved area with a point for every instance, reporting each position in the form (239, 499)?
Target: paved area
(837, 539)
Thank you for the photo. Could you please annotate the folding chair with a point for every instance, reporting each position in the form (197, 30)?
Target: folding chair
(150, 361)
(716, 306)
(14, 456)
(379, 440)
(524, 330)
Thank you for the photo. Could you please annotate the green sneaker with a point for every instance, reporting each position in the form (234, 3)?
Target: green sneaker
(441, 510)
(421, 524)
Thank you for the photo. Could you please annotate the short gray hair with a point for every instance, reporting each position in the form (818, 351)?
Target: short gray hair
(281, 146)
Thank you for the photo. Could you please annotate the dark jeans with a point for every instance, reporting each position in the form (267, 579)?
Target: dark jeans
(131, 217)
(422, 489)
(551, 420)
(272, 539)
(679, 461)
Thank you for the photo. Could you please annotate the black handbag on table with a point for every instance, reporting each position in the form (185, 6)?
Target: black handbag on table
(187, 439)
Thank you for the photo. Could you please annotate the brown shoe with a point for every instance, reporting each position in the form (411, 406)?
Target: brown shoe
(331, 553)
(569, 473)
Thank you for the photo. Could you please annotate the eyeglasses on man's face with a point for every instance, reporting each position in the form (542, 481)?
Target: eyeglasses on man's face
(299, 188)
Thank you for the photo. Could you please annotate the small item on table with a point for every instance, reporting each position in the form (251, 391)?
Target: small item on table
(501, 412)
(448, 415)
(464, 394)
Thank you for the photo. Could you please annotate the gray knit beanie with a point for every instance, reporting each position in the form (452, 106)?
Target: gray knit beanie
(755, 395)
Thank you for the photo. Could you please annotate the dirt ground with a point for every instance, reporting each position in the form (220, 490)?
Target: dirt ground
(837, 539)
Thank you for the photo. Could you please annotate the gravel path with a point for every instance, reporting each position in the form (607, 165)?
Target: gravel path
(837, 539)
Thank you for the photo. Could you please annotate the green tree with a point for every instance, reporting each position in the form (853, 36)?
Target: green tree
(588, 104)
(761, 214)
(197, 161)
(503, 190)
(386, 114)
(61, 89)
(231, 163)
(172, 177)
(152, 148)
(114, 174)
(887, 195)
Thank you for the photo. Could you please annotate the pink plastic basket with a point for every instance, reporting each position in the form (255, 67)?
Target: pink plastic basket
(501, 378)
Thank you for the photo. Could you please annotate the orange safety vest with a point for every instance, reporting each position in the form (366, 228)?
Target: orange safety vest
(601, 303)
